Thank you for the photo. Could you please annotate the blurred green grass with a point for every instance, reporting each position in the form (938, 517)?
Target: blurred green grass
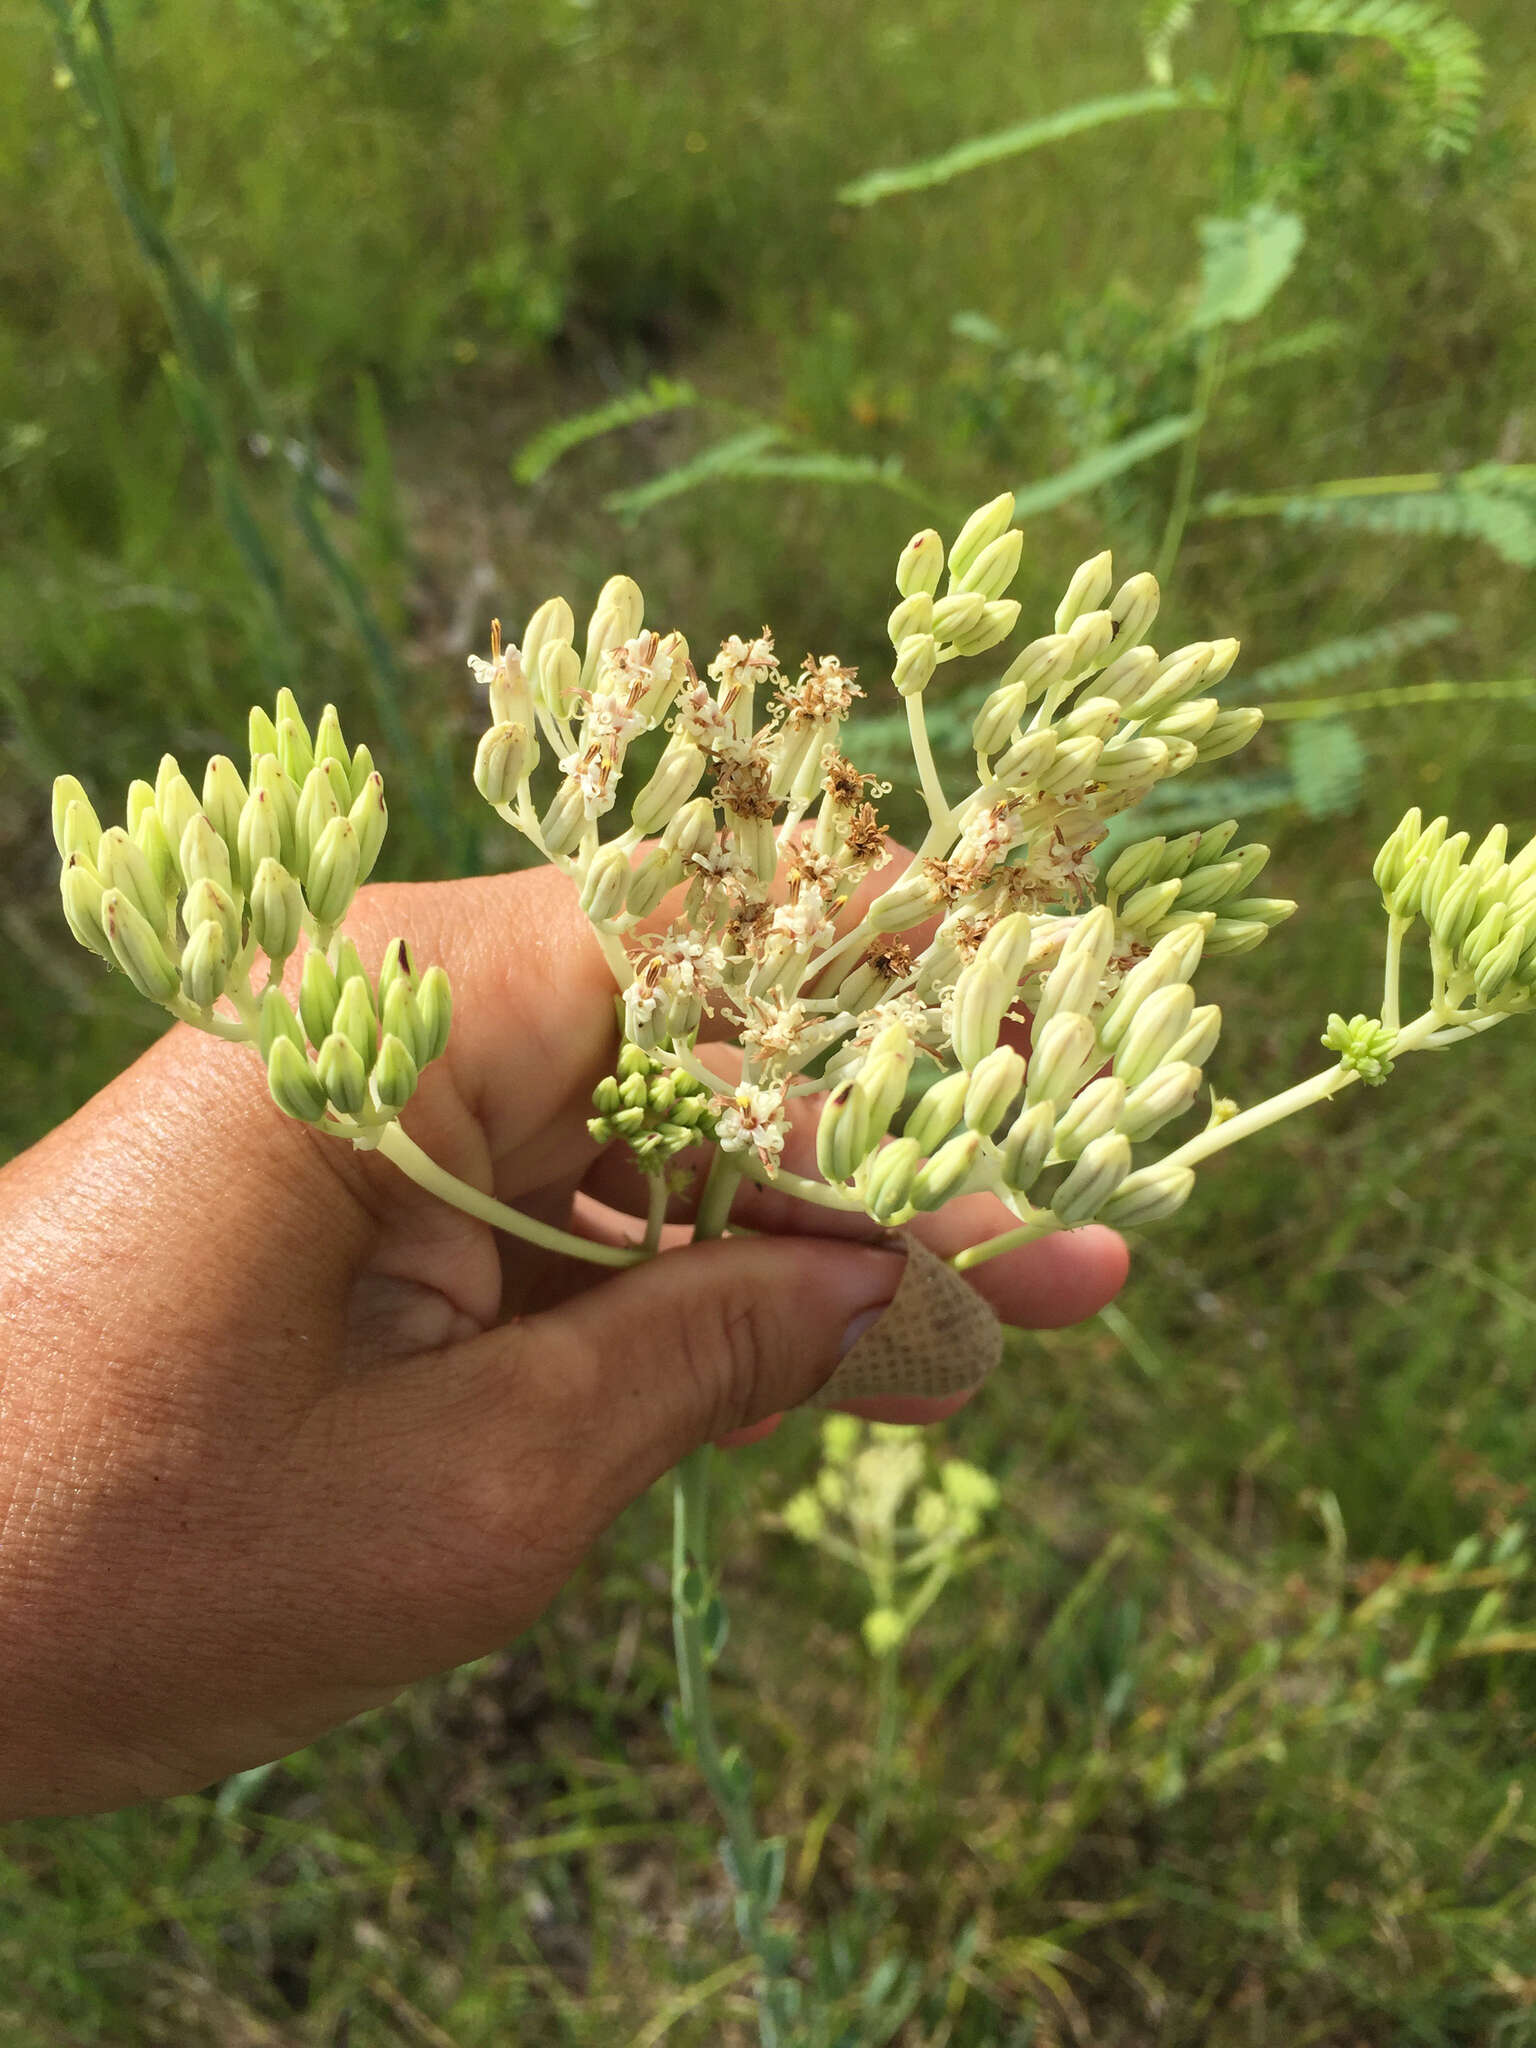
(1159, 1786)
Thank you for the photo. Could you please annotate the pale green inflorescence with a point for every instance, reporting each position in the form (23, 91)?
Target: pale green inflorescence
(742, 888)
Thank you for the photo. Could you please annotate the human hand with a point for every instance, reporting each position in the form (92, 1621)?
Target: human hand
(284, 1433)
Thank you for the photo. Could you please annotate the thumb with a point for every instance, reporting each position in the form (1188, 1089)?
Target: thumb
(479, 1475)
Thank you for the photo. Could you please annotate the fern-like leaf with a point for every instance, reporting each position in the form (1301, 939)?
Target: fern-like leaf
(1495, 503)
(660, 395)
(756, 457)
(1327, 764)
(1244, 263)
(1396, 695)
(1104, 463)
(1439, 51)
(1162, 24)
(1351, 651)
(1027, 135)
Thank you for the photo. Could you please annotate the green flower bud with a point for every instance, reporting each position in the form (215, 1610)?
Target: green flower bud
(1135, 866)
(921, 564)
(606, 1099)
(81, 890)
(916, 661)
(1027, 1146)
(960, 612)
(203, 855)
(1164, 1095)
(1484, 936)
(994, 1087)
(1266, 910)
(634, 1091)
(564, 822)
(1229, 732)
(939, 1108)
(324, 797)
(275, 1020)
(1095, 718)
(677, 776)
(1198, 1041)
(354, 1018)
(913, 615)
(1028, 761)
(1210, 885)
(560, 679)
(1140, 912)
(340, 1071)
(123, 867)
(269, 776)
(1191, 720)
(277, 911)
(945, 1175)
(207, 903)
(1155, 1029)
(1073, 983)
(1451, 918)
(363, 765)
(998, 718)
(1522, 868)
(1499, 966)
(552, 625)
(433, 1005)
(1150, 1196)
(1211, 845)
(995, 567)
(804, 1516)
(505, 758)
(369, 817)
(602, 888)
(295, 752)
(396, 966)
(1232, 935)
(1100, 1169)
(1128, 676)
(319, 993)
(617, 617)
(755, 842)
(137, 947)
(1133, 609)
(650, 881)
(224, 796)
(261, 734)
(883, 1631)
(1174, 679)
(393, 1080)
(149, 837)
(911, 898)
(259, 835)
(330, 746)
(634, 1059)
(141, 798)
(1063, 1054)
(1073, 765)
(1391, 864)
(1043, 662)
(842, 1143)
(692, 830)
(888, 1184)
(1364, 1046)
(294, 1084)
(1173, 959)
(1130, 766)
(1091, 637)
(205, 965)
(330, 881)
(1091, 1113)
(86, 835)
(1090, 585)
(986, 524)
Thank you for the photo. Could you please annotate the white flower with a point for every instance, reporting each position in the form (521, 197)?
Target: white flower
(753, 1119)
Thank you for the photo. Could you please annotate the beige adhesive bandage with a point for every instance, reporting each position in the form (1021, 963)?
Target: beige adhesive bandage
(937, 1337)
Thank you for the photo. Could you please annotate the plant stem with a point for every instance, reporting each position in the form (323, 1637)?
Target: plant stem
(656, 1216)
(928, 775)
(412, 1161)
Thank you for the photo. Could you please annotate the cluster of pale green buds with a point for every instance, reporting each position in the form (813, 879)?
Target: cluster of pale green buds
(1479, 908)
(885, 1504)
(193, 889)
(658, 1111)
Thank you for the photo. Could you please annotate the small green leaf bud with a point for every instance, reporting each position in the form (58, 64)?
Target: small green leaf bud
(1090, 585)
(1229, 732)
(939, 1108)
(341, 1073)
(1092, 1112)
(87, 828)
(991, 571)
(1100, 1169)
(504, 759)
(677, 776)
(945, 1175)
(994, 1087)
(1027, 1146)
(916, 661)
(1134, 608)
(354, 1018)
(921, 564)
(330, 881)
(913, 615)
(294, 1084)
(319, 993)
(888, 1184)
(369, 817)
(393, 1080)
(1064, 1052)
(1164, 1095)
(123, 867)
(1364, 1046)
(986, 524)
(433, 1005)
(205, 965)
(1156, 1028)
(137, 947)
(1150, 1196)
(81, 890)
(275, 1020)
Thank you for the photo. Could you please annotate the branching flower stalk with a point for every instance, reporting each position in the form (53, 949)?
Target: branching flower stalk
(742, 889)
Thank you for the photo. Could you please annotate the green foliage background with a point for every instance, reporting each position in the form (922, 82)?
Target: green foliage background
(1170, 1775)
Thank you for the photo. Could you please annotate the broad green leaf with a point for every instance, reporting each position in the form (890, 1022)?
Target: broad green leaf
(1244, 263)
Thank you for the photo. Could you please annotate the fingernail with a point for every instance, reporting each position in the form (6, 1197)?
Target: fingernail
(885, 1272)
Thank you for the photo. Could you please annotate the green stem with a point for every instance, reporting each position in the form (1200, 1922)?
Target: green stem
(887, 1727)
(1391, 995)
(412, 1161)
(656, 1217)
(928, 775)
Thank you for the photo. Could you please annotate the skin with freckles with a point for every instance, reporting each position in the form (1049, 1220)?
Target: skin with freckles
(281, 1433)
